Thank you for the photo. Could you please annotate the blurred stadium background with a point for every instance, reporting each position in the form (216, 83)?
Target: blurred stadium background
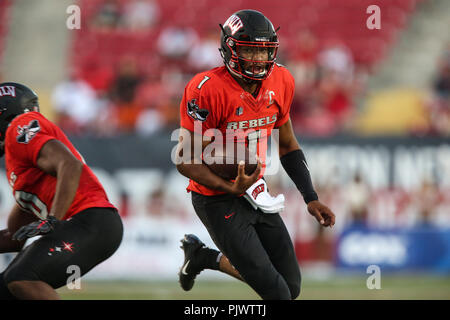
(371, 112)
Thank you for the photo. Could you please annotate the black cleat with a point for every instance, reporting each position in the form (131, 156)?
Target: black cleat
(193, 262)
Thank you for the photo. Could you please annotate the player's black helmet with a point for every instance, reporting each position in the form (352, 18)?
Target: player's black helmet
(15, 99)
(248, 28)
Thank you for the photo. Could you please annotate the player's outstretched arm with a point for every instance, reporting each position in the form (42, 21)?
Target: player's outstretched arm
(55, 159)
(294, 162)
(190, 164)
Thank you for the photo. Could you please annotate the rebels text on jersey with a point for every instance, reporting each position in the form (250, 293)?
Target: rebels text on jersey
(214, 100)
(34, 189)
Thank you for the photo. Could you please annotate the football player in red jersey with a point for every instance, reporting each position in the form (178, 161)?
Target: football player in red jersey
(250, 94)
(57, 196)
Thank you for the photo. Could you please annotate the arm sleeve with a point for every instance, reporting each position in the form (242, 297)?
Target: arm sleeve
(294, 163)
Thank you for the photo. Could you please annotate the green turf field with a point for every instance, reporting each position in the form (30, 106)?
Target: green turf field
(341, 287)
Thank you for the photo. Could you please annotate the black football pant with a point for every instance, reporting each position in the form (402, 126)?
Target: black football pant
(82, 242)
(258, 245)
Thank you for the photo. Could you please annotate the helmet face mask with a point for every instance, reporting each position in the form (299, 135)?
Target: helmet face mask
(249, 45)
(253, 60)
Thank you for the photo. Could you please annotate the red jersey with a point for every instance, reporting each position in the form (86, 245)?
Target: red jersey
(34, 189)
(214, 100)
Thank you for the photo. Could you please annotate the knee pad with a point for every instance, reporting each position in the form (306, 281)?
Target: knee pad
(5, 294)
(269, 284)
(295, 287)
(295, 290)
(17, 274)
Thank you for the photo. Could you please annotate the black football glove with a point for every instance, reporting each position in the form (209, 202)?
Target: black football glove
(36, 228)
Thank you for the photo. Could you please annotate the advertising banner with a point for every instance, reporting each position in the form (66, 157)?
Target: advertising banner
(417, 249)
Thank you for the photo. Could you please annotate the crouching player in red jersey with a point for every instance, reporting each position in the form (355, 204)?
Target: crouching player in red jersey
(57, 196)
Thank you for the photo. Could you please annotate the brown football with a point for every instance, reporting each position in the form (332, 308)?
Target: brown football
(224, 161)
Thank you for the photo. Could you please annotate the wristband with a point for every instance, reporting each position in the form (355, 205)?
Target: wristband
(297, 169)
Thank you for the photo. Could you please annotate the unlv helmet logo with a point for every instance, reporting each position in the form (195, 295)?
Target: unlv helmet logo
(8, 91)
(234, 23)
(27, 132)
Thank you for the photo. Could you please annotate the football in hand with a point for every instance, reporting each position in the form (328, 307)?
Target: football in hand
(224, 160)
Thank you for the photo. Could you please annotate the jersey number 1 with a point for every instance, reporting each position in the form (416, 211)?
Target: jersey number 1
(206, 78)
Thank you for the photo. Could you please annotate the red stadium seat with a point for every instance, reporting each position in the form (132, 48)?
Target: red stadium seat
(326, 19)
